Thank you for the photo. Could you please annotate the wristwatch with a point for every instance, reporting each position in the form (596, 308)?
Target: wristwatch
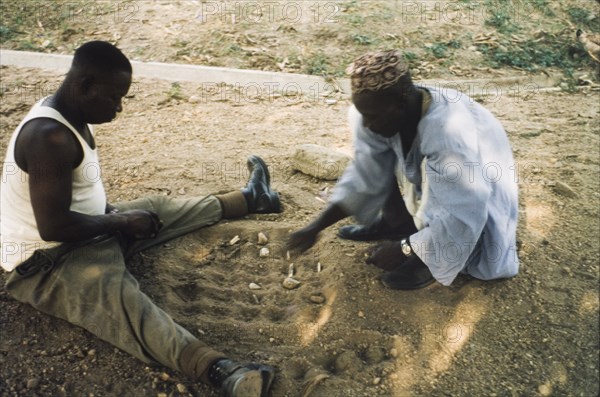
(406, 248)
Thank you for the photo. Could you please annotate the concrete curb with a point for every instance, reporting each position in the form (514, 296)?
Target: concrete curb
(262, 82)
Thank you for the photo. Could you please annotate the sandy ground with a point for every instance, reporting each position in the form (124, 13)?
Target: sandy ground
(535, 334)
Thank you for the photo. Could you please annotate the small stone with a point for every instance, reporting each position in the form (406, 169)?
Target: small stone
(361, 314)
(181, 191)
(271, 340)
(91, 352)
(264, 252)
(161, 395)
(376, 381)
(564, 189)
(164, 376)
(194, 99)
(331, 101)
(290, 283)
(393, 352)
(234, 240)
(262, 238)
(181, 388)
(545, 390)
(317, 298)
(33, 383)
(254, 286)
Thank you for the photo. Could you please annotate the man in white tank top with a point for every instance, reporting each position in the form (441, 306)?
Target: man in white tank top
(52, 215)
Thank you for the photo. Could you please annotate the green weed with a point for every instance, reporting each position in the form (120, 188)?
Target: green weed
(440, 50)
(6, 33)
(533, 55)
(355, 20)
(362, 39)
(500, 16)
(174, 92)
(233, 48)
(410, 56)
(544, 6)
(318, 65)
(583, 18)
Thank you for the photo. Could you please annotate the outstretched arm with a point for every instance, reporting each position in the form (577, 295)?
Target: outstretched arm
(306, 237)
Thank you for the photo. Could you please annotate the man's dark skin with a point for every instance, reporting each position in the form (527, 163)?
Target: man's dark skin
(48, 152)
(394, 110)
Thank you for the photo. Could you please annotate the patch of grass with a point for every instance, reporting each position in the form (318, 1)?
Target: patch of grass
(533, 55)
(410, 56)
(500, 16)
(362, 39)
(317, 65)
(355, 20)
(544, 6)
(349, 10)
(233, 48)
(175, 93)
(440, 50)
(6, 33)
(26, 45)
(583, 18)
(24, 21)
(454, 44)
(349, 6)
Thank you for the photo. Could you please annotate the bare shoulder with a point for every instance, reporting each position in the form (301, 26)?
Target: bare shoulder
(46, 140)
(45, 131)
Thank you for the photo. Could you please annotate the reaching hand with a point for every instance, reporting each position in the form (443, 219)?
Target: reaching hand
(302, 239)
(141, 224)
(387, 256)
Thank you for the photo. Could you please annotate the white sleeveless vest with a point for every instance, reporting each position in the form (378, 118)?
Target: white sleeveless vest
(19, 235)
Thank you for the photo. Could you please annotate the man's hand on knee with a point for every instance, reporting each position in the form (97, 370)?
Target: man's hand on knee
(141, 224)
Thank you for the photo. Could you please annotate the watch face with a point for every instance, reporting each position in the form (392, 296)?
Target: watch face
(406, 249)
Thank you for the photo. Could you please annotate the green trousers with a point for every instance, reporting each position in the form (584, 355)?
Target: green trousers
(87, 284)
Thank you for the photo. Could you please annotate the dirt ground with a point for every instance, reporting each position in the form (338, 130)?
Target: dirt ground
(341, 333)
(535, 334)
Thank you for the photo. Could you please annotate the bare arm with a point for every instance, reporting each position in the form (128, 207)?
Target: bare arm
(48, 152)
(306, 237)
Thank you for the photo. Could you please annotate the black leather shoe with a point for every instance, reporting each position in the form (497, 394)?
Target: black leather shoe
(259, 196)
(378, 230)
(236, 380)
(413, 274)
